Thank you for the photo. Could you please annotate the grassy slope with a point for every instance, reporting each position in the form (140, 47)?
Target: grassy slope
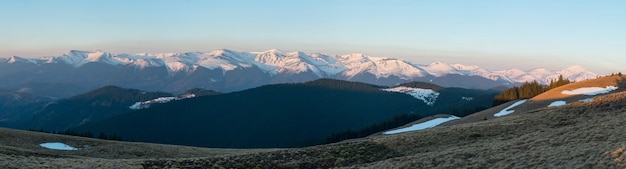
(20, 149)
(580, 135)
(543, 100)
(555, 94)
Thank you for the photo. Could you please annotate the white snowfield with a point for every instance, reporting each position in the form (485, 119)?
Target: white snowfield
(276, 61)
(422, 126)
(557, 103)
(506, 110)
(57, 146)
(146, 104)
(587, 100)
(590, 91)
(429, 96)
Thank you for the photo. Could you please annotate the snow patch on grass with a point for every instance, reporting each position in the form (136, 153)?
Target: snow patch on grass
(587, 100)
(57, 146)
(506, 110)
(557, 103)
(422, 126)
(427, 95)
(591, 91)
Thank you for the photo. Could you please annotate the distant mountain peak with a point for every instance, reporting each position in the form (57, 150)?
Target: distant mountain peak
(576, 68)
(275, 51)
(109, 89)
(354, 56)
(540, 69)
(78, 58)
(437, 63)
(221, 51)
(14, 59)
(439, 69)
(73, 52)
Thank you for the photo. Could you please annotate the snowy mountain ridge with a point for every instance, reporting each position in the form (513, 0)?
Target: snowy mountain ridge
(277, 61)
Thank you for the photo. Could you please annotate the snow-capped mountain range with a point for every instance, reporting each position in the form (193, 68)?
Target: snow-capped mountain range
(227, 70)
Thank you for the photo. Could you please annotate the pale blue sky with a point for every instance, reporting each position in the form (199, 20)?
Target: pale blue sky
(496, 34)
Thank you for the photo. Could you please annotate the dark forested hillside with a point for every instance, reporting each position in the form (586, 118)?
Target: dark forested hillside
(14, 106)
(201, 92)
(282, 115)
(108, 94)
(457, 101)
(454, 101)
(98, 104)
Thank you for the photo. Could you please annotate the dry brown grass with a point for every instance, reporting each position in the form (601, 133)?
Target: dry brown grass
(479, 116)
(555, 94)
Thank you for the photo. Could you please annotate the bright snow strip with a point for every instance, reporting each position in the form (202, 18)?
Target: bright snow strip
(57, 146)
(467, 98)
(427, 95)
(557, 103)
(587, 100)
(422, 126)
(146, 104)
(591, 91)
(506, 110)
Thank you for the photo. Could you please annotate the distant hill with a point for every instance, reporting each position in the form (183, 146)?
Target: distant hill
(15, 106)
(201, 92)
(550, 97)
(602, 82)
(281, 115)
(95, 105)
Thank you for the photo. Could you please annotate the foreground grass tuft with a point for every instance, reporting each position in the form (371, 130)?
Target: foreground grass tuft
(336, 155)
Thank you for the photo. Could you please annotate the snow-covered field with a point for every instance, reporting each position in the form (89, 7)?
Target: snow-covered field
(591, 91)
(587, 100)
(57, 146)
(427, 95)
(506, 110)
(557, 103)
(422, 126)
